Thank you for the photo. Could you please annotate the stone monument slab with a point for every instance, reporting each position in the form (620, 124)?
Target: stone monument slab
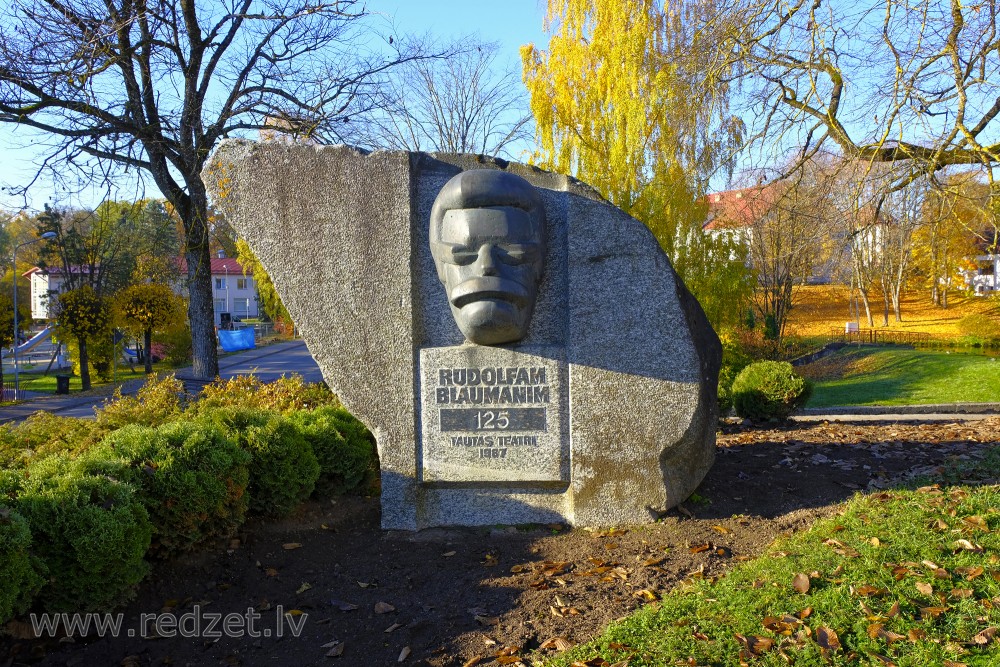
(522, 350)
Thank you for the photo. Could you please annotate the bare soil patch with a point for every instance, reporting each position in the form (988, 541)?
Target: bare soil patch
(447, 597)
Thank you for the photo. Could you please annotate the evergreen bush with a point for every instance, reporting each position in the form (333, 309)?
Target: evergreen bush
(286, 395)
(191, 478)
(90, 532)
(44, 434)
(343, 447)
(283, 467)
(157, 402)
(769, 390)
(18, 579)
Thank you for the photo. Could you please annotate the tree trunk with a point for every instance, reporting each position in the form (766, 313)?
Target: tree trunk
(84, 365)
(868, 308)
(148, 349)
(201, 310)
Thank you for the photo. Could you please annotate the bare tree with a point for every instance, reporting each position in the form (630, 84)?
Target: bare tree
(467, 103)
(914, 83)
(150, 86)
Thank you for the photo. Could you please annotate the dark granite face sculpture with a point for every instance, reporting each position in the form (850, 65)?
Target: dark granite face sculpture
(488, 241)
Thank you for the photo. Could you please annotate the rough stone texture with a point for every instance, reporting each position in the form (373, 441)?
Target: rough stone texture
(344, 236)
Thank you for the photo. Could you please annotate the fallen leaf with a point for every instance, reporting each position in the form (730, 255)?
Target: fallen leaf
(336, 651)
(961, 593)
(801, 583)
(986, 636)
(970, 573)
(886, 662)
(924, 588)
(343, 606)
(288, 546)
(331, 644)
(647, 595)
(966, 545)
(449, 554)
(952, 663)
(271, 572)
(303, 588)
(827, 639)
(394, 626)
(721, 530)
(698, 548)
(383, 608)
(932, 612)
(755, 645)
(557, 643)
(404, 654)
(488, 620)
(916, 634)
(472, 662)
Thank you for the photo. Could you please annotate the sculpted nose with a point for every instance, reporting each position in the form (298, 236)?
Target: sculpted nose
(486, 263)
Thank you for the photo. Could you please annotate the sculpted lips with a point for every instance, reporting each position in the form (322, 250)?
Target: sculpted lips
(489, 288)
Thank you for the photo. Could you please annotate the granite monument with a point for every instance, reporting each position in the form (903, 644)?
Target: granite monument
(522, 350)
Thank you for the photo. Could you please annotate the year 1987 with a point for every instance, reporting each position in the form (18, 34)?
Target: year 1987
(492, 452)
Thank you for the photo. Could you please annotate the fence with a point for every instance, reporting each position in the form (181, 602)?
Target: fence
(884, 336)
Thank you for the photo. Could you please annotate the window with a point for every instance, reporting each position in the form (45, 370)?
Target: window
(220, 283)
(241, 308)
(220, 305)
(242, 283)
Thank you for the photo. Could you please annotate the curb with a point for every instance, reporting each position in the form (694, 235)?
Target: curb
(940, 408)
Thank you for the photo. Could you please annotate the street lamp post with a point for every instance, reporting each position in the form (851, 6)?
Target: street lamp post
(44, 237)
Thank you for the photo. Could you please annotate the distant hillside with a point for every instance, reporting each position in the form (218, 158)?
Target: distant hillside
(821, 308)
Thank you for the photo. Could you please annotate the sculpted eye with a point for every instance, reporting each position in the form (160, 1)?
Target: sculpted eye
(519, 254)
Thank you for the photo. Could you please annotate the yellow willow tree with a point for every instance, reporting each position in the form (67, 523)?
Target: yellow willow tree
(621, 101)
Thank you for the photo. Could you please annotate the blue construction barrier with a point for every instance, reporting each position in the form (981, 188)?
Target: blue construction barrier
(241, 339)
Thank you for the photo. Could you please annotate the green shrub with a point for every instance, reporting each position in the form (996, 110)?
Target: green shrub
(18, 579)
(191, 478)
(90, 532)
(769, 390)
(174, 345)
(285, 395)
(157, 402)
(283, 467)
(44, 434)
(734, 360)
(343, 447)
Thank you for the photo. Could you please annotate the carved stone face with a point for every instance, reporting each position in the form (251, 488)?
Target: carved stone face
(488, 241)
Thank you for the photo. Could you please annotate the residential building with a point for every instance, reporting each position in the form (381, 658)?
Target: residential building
(234, 295)
(46, 284)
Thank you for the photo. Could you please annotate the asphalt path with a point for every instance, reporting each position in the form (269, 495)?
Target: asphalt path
(267, 363)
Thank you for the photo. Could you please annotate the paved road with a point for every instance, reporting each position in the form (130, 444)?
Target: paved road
(268, 363)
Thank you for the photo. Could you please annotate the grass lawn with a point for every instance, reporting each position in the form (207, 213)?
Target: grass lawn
(898, 376)
(908, 578)
(47, 383)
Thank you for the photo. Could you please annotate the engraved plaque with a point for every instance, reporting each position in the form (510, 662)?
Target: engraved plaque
(490, 414)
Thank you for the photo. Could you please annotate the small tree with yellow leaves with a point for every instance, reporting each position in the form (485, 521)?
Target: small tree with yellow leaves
(145, 308)
(83, 315)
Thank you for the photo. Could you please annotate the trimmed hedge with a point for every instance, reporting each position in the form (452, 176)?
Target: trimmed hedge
(283, 467)
(769, 390)
(191, 478)
(18, 579)
(343, 447)
(44, 434)
(90, 532)
(285, 395)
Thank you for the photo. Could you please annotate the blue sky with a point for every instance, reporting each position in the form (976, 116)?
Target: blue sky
(512, 23)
